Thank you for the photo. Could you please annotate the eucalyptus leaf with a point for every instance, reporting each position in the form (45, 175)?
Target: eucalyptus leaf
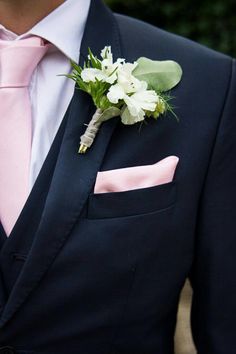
(109, 113)
(160, 75)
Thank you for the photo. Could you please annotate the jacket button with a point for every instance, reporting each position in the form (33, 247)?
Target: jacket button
(7, 350)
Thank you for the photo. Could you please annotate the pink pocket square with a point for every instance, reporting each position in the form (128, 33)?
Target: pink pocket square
(124, 179)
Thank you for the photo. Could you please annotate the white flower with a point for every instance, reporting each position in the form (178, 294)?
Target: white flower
(106, 53)
(141, 101)
(108, 71)
(91, 74)
(116, 93)
(108, 67)
(144, 98)
(126, 83)
(107, 74)
(126, 80)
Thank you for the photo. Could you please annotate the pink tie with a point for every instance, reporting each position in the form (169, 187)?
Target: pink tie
(18, 60)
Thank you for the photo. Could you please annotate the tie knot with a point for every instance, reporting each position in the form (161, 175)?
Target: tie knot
(18, 60)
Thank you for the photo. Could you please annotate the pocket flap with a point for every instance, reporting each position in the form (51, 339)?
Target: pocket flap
(133, 202)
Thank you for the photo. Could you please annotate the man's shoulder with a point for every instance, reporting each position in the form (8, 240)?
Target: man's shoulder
(141, 38)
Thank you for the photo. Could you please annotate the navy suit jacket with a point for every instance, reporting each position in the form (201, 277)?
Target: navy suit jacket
(102, 274)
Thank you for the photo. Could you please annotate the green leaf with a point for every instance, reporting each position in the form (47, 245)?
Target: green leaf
(76, 67)
(94, 60)
(159, 75)
(108, 114)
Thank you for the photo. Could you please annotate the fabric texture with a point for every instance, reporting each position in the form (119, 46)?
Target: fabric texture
(15, 124)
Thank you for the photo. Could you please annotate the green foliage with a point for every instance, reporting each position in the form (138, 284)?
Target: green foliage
(160, 75)
(210, 22)
(93, 61)
(96, 89)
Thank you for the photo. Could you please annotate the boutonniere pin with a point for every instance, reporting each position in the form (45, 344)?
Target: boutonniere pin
(133, 91)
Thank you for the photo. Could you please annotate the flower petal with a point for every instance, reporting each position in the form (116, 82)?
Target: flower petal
(111, 79)
(106, 53)
(128, 119)
(147, 100)
(115, 93)
(91, 74)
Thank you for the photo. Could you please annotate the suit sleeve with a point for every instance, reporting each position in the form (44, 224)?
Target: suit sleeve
(213, 274)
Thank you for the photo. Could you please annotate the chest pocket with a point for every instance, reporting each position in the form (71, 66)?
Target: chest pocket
(133, 202)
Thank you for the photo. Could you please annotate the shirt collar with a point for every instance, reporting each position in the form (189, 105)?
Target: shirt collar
(63, 27)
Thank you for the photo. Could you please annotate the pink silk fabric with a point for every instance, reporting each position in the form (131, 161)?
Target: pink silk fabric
(18, 60)
(129, 178)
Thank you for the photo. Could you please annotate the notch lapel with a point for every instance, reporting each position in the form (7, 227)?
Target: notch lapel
(74, 174)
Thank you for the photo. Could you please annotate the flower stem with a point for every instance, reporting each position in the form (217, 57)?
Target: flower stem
(87, 139)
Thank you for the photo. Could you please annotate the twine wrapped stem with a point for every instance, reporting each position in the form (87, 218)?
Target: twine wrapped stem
(100, 116)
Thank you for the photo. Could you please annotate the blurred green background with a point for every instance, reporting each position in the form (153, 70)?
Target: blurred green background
(212, 23)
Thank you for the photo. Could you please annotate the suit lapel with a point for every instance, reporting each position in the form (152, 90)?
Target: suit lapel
(74, 174)
(3, 236)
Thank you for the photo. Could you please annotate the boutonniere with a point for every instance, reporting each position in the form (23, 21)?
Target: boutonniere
(133, 91)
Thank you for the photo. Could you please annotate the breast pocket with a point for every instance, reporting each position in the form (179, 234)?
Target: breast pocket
(133, 202)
